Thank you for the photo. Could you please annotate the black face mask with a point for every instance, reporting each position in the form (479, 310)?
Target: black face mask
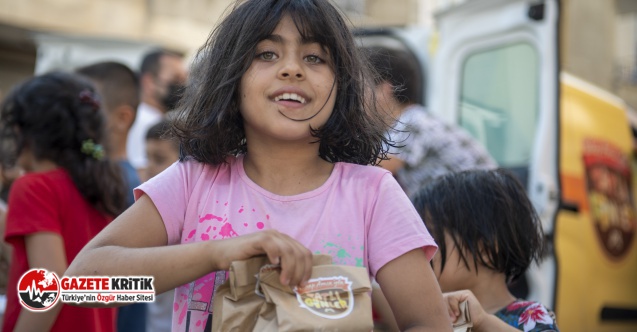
(172, 97)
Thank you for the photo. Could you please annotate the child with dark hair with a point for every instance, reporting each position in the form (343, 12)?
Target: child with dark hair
(52, 126)
(488, 235)
(276, 136)
(118, 88)
(430, 147)
(161, 151)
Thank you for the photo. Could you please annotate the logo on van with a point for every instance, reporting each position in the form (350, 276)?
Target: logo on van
(327, 297)
(608, 178)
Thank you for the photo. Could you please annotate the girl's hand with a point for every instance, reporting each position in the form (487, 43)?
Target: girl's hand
(295, 259)
(482, 321)
(476, 311)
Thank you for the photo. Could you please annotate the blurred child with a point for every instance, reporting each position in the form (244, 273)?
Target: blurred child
(276, 136)
(430, 147)
(7, 176)
(52, 126)
(118, 87)
(161, 152)
(488, 235)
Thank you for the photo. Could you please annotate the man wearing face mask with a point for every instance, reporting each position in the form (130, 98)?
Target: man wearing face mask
(162, 78)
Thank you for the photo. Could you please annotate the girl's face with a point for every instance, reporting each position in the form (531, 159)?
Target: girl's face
(289, 87)
(456, 275)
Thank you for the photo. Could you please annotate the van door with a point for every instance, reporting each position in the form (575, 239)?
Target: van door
(495, 72)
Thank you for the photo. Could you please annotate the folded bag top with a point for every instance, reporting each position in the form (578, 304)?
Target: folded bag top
(336, 298)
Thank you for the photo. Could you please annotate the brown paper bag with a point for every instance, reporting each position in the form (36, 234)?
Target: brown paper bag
(463, 323)
(335, 299)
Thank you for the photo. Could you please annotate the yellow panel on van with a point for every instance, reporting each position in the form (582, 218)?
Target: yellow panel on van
(595, 236)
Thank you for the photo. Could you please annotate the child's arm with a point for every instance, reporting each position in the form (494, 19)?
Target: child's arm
(45, 251)
(136, 244)
(482, 321)
(412, 291)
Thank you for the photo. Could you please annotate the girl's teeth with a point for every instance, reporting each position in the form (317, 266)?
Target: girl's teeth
(290, 96)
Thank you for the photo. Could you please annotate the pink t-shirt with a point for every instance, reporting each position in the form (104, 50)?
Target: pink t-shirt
(360, 216)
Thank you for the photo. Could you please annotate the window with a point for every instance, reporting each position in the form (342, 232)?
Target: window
(499, 101)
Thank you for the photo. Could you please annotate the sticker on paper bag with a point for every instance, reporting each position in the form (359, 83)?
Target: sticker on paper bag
(327, 297)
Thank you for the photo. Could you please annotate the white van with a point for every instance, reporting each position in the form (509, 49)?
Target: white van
(492, 67)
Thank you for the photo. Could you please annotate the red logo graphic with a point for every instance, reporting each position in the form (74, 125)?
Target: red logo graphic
(38, 290)
(610, 196)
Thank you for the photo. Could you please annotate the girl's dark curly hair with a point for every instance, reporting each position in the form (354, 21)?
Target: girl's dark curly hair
(209, 125)
(488, 215)
(53, 115)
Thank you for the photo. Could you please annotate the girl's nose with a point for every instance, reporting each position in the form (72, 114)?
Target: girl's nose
(291, 68)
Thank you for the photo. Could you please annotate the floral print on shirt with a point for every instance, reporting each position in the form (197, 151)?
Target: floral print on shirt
(528, 316)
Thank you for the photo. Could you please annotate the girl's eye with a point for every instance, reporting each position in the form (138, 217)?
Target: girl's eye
(313, 59)
(267, 56)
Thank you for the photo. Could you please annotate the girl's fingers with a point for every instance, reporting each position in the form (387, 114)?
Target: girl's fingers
(274, 258)
(455, 306)
(308, 268)
(302, 266)
(453, 301)
(296, 265)
(452, 316)
(294, 258)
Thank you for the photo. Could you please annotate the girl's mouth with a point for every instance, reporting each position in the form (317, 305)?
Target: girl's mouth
(290, 97)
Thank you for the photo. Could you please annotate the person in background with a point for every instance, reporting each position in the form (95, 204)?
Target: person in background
(277, 138)
(52, 127)
(161, 153)
(430, 147)
(488, 235)
(162, 79)
(7, 176)
(118, 88)
(160, 150)
(426, 147)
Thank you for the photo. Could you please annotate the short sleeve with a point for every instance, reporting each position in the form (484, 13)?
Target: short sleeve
(170, 191)
(395, 227)
(32, 209)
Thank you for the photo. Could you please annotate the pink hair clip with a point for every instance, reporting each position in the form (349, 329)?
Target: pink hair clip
(88, 97)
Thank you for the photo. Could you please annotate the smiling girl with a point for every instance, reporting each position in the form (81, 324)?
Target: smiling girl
(276, 145)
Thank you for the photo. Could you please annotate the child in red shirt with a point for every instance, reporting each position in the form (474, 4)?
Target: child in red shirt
(52, 127)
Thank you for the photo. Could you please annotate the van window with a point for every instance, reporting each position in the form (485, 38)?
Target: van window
(499, 101)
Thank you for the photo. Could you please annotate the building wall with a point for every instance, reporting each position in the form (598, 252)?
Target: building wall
(596, 42)
(626, 50)
(63, 33)
(599, 44)
(181, 25)
(588, 43)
